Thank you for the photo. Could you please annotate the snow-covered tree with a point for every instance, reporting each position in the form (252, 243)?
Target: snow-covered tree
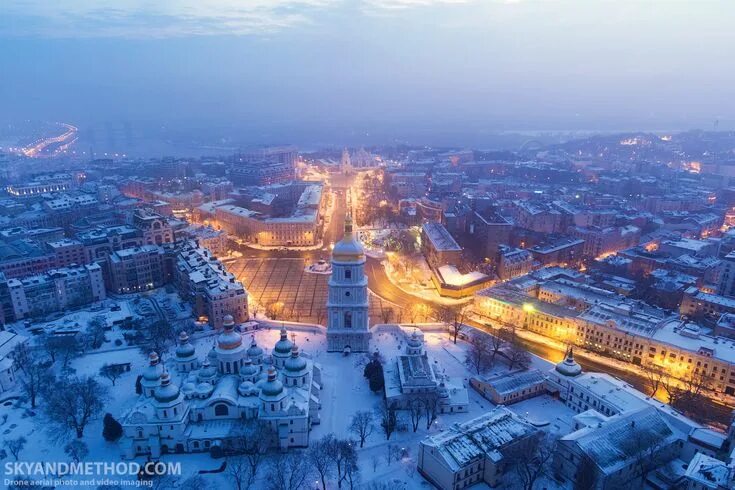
(33, 379)
(320, 458)
(96, 332)
(15, 446)
(387, 418)
(479, 355)
(112, 372)
(288, 471)
(362, 425)
(76, 449)
(71, 403)
(111, 428)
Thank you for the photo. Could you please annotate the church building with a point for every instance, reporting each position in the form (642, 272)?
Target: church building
(348, 325)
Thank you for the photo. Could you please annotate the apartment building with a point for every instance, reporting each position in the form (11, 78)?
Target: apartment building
(56, 290)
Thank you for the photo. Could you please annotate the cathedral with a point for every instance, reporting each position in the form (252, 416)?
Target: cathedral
(348, 325)
(213, 402)
(416, 376)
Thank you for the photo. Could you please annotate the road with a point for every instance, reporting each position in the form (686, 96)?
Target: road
(52, 145)
(379, 284)
(332, 233)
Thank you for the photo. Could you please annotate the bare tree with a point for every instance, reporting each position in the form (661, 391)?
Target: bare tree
(96, 332)
(240, 473)
(76, 449)
(388, 418)
(160, 336)
(687, 394)
(454, 316)
(496, 344)
(288, 471)
(518, 357)
(63, 347)
(654, 375)
(533, 460)
(648, 452)
(71, 403)
(36, 376)
(112, 372)
(257, 438)
(362, 425)
(320, 458)
(399, 314)
(22, 355)
(321, 315)
(430, 402)
(478, 356)
(386, 314)
(15, 446)
(195, 482)
(274, 310)
(416, 411)
(351, 471)
(343, 456)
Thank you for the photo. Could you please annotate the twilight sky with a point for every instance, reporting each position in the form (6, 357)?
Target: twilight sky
(318, 70)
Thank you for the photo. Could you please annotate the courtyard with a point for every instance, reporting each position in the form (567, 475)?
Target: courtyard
(301, 296)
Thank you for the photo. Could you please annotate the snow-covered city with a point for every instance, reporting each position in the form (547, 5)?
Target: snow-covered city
(367, 245)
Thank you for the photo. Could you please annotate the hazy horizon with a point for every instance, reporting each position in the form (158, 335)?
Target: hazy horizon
(366, 71)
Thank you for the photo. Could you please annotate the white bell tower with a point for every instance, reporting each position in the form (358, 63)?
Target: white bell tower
(348, 325)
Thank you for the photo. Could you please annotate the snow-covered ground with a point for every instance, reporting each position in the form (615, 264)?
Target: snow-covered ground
(345, 391)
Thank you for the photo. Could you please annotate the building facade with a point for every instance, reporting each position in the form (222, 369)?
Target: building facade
(348, 324)
(235, 392)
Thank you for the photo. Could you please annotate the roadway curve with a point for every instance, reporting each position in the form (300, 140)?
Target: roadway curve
(379, 284)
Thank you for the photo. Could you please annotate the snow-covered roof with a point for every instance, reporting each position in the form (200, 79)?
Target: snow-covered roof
(450, 275)
(515, 382)
(484, 436)
(710, 472)
(622, 438)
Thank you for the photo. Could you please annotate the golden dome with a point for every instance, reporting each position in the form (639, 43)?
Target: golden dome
(349, 248)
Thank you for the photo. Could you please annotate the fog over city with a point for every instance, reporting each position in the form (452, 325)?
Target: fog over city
(315, 72)
(367, 244)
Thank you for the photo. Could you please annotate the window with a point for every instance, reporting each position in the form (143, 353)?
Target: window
(348, 273)
(348, 319)
(221, 410)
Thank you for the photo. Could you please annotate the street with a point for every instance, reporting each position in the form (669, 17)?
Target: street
(382, 287)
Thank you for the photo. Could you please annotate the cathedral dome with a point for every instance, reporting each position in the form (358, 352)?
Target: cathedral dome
(188, 388)
(569, 367)
(248, 369)
(414, 340)
(168, 391)
(154, 370)
(254, 351)
(349, 249)
(273, 387)
(207, 372)
(284, 345)
(185, 349)
(229, 339)
(246, 388)
(204, 389)
(295, 363)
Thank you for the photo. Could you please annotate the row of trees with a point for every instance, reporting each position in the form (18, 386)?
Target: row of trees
(329, 460)
(686, 393)
(484, 350)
